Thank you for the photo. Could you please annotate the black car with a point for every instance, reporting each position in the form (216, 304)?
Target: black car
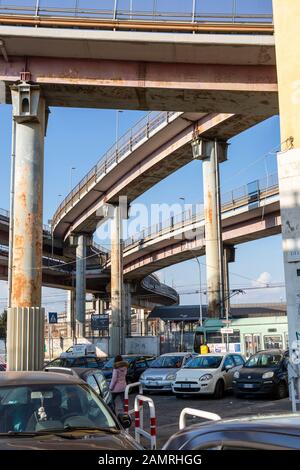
(251, 433)
(265, 373)
(89, 362)
(93, 377)
(137, 364)
(51, 411)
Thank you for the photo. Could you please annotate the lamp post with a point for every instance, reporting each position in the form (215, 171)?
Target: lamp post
(200, 290)
(71, 177)
(117, 125)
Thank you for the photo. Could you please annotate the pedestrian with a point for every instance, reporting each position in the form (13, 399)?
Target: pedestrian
(118, 382)
(204, 349)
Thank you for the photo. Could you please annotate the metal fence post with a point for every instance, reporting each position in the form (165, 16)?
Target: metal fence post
(193, 11)
(115, 9)
(37, 6)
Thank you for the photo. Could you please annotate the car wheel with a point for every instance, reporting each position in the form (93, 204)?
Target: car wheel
(219, 389)
(281, 391)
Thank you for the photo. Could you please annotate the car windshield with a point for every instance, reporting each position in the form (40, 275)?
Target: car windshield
(46, 407)
(110, 363)
(204, 362)
(167, 362)
(264, 360)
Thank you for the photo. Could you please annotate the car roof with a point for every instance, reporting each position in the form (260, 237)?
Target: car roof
(176, 354)
(215, 354)
(36, 377)
(282, 423)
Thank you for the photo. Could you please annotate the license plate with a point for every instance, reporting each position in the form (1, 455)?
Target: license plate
(153, 382)
(248, 385)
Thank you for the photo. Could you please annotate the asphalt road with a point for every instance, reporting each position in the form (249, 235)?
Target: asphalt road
(168, 409)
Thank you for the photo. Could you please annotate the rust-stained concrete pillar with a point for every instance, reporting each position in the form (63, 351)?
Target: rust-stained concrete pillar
(287, 45)
(80, 284)
(25, 315)
(212, 153)
(116, 345)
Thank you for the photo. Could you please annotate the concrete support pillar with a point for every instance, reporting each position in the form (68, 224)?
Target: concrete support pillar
(80, 283)
(117, 319)
(25, 343)
(127, 308)
(286, 23)
(71, 314)
(211, 153)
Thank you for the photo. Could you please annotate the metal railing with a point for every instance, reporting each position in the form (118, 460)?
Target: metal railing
(248, 193)
(192, 11)
(134, 137)
(153, 284)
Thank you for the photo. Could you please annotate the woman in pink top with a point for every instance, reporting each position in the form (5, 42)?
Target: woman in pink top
(118, 382)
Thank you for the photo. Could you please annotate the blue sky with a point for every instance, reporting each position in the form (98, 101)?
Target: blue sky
(78, 137)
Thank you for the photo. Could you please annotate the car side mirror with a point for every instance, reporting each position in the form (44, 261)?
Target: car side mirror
(227, 368)
(125, 420)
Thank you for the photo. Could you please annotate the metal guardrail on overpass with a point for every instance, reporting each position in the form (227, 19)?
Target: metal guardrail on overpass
(248, 193)
(191, 11)
(141, 131)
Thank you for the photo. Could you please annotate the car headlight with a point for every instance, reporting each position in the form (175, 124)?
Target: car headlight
(142, 377)
(171, 377)
(268, 375)
(236, 375)
(206, 377)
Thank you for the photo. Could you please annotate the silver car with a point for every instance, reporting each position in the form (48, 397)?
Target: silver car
(162, 373)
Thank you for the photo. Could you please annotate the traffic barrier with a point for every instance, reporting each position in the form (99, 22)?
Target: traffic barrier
(199, 413)
(139, 431)
(126, 401)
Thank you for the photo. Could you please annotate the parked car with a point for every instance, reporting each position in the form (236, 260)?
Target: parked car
(93, 377)
(52, 411)
(251, 433)
(80, 349)
(80, 361)
(207, 373)
(265, 373)
(137, 364)
(161, 374)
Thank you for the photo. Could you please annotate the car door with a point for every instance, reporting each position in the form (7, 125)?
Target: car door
(228, 373)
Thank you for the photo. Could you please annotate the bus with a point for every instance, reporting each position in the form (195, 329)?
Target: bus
(244, 335)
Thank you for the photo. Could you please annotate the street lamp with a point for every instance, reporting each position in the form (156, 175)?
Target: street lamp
(71, 177)
(117, 125)
(200, 290)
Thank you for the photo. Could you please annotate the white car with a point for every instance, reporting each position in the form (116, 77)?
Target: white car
(207, 373)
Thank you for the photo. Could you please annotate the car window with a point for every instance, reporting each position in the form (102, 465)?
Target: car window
(150, 361)
(141, 365)
(56, 363)
(79, 362)
(239, 361)
(264, 360)
(229, 362)
(93, 383)
(46, 407)
(204, 362)
(101, 382)
(170, 362)
(92, 362)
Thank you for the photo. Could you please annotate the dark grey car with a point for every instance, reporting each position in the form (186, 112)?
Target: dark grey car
(53, 411)
(280, 432)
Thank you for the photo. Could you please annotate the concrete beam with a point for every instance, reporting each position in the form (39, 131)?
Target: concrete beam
(238, 89)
